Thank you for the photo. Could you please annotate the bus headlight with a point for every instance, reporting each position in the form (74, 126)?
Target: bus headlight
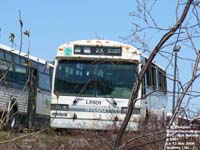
(63, 107)
(124, 110)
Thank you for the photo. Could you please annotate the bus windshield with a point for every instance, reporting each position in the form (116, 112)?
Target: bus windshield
(95, 78)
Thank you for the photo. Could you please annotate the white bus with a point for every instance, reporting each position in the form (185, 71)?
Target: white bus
(92, 82)
(25, 89)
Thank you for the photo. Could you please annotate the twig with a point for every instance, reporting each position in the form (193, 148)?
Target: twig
(22, 136)
(141, 136)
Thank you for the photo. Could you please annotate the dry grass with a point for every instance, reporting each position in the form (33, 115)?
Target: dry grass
(57, 140)
(68, 140)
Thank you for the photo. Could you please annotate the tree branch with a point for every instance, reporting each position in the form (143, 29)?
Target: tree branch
(134, 92)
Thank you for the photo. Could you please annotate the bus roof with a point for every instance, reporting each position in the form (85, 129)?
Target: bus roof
(112, 50)
(9, 49)
(108, 43)
(153, 62)
(99, 43)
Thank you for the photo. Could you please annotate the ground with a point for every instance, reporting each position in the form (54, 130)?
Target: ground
(64, 140)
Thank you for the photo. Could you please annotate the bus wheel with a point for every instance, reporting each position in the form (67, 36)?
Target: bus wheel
(12, 122)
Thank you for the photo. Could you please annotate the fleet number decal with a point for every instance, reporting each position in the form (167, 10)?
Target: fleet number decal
(93, 102)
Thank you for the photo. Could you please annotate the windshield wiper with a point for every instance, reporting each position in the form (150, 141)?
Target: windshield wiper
(111, 101)
(75, 101)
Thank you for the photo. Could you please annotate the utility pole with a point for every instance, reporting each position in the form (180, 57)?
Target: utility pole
(175, 50)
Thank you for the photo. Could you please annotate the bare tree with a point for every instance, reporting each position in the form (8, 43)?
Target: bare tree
(181, 97)
(5, 119)
(164, 39)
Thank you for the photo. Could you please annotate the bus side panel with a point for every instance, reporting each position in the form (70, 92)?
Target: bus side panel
(43, 103)
(21, 98)
(154, 108)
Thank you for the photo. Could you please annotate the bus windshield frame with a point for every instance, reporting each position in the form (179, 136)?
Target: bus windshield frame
(95, 78)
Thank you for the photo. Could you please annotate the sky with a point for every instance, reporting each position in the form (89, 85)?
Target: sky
(52, 23)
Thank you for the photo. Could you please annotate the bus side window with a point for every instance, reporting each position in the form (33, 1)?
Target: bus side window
(41, 67)
(1, 54)
(23, 62)
(144, 84)
(153, 76)
(16, 59)
(162, 82)
(148, 76)
(2, 66)
(44, 81)
(8, 57)
(20, 75)
(10, 73)
(51, 75)
(160, 79)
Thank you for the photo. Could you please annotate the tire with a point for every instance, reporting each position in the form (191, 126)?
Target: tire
(12, 122)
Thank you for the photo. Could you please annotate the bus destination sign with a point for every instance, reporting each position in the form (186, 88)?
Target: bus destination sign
(98, 50)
